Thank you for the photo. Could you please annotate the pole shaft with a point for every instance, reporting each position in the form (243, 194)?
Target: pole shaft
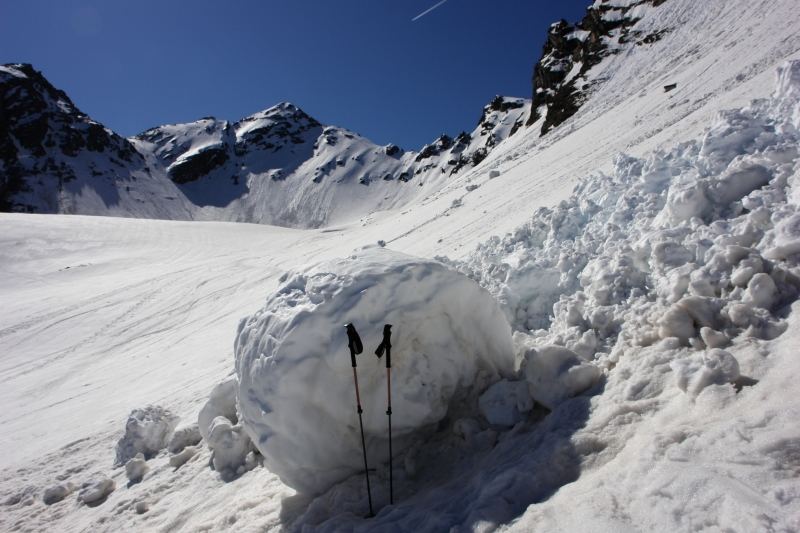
(366, 468)
(363, 441)
(389, 413)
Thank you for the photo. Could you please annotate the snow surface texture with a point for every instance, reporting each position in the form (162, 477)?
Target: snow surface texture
(296, 390)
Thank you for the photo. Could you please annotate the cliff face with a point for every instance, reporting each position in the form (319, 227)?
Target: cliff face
(561, 78)
(47, 145)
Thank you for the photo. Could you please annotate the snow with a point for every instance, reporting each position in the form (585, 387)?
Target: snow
(555, 373)
(136, 468)
(147, 431)
(670, 274)
(294, 370)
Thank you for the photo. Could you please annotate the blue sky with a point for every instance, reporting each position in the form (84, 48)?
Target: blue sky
(361, 64)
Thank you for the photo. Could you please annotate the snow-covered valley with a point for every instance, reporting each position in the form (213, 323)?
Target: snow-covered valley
(652, 298)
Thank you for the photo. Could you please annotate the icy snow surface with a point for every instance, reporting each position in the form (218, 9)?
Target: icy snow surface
(671, 270)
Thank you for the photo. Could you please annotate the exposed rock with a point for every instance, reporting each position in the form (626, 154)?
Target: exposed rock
(560, 84)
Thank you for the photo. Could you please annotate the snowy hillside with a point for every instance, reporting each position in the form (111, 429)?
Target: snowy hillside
(617, 301)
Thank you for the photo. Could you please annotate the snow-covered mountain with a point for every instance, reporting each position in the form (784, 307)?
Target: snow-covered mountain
(55, 159)
(597, 331)
(279, 166)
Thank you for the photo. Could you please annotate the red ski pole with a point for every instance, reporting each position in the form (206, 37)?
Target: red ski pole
(354, 343)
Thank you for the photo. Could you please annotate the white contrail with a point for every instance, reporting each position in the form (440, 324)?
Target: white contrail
(428, 10)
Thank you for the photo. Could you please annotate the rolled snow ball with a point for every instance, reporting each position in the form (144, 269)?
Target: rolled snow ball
(147, 431)
(296, 391)
(698, 371)
(555, 374)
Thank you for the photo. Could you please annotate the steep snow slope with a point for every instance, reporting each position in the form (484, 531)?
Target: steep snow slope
(656, 456)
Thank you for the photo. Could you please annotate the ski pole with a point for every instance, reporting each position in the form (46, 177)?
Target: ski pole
(386, 346)
(354, 343)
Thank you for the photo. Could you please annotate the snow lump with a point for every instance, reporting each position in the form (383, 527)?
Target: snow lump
(295, 382)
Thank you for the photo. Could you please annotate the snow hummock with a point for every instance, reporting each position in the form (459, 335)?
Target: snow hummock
(296, 391)
(147, 431)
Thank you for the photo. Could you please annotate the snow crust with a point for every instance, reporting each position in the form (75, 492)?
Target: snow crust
(295, 383)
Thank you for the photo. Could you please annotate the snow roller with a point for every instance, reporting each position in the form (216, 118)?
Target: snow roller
(295, 379)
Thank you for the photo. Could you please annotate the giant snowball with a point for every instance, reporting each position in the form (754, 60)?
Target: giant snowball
(295, 382)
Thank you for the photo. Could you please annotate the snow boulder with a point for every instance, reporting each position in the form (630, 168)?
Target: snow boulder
(295, 382)
(147, 431)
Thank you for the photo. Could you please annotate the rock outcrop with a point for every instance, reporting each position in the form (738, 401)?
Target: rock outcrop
(561, 79)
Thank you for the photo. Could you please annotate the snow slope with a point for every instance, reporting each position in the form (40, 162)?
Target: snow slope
(658, 257)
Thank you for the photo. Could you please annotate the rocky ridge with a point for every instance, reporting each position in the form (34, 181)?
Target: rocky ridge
(562, 80)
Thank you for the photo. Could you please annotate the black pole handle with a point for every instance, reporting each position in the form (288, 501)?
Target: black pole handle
(353, 342)
(386, 345)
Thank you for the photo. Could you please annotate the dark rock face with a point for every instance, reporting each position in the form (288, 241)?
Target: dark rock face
(42, 136)
(559, 78)
(199, 165)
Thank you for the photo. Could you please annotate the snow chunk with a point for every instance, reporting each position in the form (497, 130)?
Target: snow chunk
(786, 239)
(56, 493)
(136, 468)
(504, 403)
(761, 291)
(556, 373)
(787, 92)
(95, 491)
(147, 431)
(230, 445)
(698, 371)
(219, 427)
(295, 388)
(183, 437)
(221, 402)
(180, 459)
